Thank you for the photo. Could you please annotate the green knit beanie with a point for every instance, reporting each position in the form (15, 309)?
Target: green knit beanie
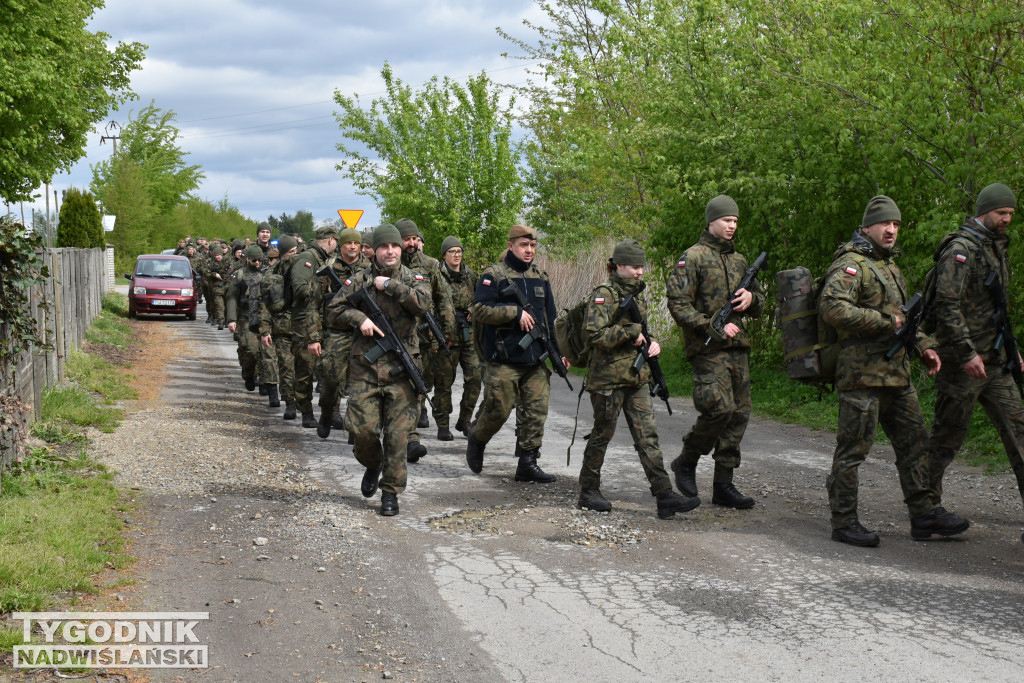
(286, 244)
(880, 209)
(254, 252)
(450, 242)
(386, 233)
(994, 196)
(349, 235)
(719, 207)
(629, 253)
(406, 228)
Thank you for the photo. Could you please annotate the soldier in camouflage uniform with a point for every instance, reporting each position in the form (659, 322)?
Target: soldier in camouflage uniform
(462, 283)
(276, 330)
(615, 387)
(307, 349)
(382, 402)
(336, 342)
(861, 298)
(218, 273)
(514, 373)
(263, 231)
(241, 288)
(368, 245)
(705, 278)
(442, 309)
(973, 370)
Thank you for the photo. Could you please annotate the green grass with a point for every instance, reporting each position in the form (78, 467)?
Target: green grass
(94, 374)
(74, 405)
(109, 326)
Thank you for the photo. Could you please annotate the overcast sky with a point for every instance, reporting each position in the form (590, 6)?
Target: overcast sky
(252, 83)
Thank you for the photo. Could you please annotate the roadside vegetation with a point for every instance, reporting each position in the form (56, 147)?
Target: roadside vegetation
(61, 517)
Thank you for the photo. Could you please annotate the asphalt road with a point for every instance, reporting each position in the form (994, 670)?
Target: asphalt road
(484, 579)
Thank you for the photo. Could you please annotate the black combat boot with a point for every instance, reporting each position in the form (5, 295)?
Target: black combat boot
(323, 425)
(528, 469)
(250, 383)
(289, 410)
(371, 477)
(424, 421)
(351, 439)
(264, 389)
(462, 426)
(670, 502)
(686, 477)
(938, 521)
(444, 434)
(414, 451)
(274, 397)
(726, 495)
(388, 504)
(591, 499)
(337, 421)
(309, 420)
(475, 454)
(855, 534)
(220, 325)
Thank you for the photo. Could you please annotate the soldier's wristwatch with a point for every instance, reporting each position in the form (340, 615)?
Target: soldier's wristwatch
(387, 281)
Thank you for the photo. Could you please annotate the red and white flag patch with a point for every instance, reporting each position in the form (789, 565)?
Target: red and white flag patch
(308, 264)
(962, 258)
(851, 270)
(682, 263)
(418, 276)
(486, 281)
(599, 300)
(348, 282)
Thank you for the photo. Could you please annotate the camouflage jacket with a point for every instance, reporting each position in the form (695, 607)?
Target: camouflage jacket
(299, 280)
(463, 287)
(404, 301)
(440, 294)
(243, 282)
(214, 267)
(611, 335)
(498, 314)
(324, 291)
(705, 279)
(863, 307)
(276, 324)
(963, 307)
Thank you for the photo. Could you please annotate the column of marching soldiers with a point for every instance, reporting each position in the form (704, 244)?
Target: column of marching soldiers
(380, 325)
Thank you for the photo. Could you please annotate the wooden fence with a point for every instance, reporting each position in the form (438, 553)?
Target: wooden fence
(64, 305)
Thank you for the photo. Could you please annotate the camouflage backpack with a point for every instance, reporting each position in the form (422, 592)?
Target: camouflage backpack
(273, 292)
(569, 333)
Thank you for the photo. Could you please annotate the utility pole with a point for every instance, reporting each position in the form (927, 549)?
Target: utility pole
(110, 129)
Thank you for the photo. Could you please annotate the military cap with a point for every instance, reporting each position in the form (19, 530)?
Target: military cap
(254, 252)
(386, 233)
(994, 196)
(368, 237)
(326, 231)
(518, 231)
(349, 235)
(450, 242)
(286, 244)
(721, 206)
(406, 228)
(879, 210)
(629, 253)
(216, 249)
(264, 226)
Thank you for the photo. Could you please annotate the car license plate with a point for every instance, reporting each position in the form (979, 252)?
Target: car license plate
(163, 302)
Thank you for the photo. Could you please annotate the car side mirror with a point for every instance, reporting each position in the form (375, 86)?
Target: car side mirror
(127, 276)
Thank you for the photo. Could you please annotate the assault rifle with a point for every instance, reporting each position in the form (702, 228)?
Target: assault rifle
(330, 273)
(362, 300)
(431, 323)
(537, 333)
(905, 336)
(1004, 338)
(721, 318)
(659, 387)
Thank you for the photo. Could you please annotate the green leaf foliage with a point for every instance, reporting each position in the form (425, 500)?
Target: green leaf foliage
(80, 223)
(57, 79)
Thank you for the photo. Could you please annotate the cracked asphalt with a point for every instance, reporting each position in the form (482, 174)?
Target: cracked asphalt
(483, 579)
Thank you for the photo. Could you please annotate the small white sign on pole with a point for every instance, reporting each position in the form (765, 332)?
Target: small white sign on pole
(108, 223)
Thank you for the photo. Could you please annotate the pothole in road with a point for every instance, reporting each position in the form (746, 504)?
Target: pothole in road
(476, 522)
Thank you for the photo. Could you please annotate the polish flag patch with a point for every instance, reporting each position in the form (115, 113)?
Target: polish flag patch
(419, 277)
(486, 281)
(348, 282)
(962, 258)
(599, 300)
(851, 270)
(308, 264)
(682, 262)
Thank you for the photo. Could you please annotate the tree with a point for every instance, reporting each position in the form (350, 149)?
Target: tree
(129, 201)
(57, 79)
(80, 222)
(442, 156)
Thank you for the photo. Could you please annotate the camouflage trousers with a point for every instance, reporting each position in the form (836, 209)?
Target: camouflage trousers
(466, 357)
(304, 365)
(505, 385)
(217, 305)
(285, 366)
(860, 412)
(388, 411)
(427, 360)
(249, 355)
(637, 406)
(268, 362)
(333, 368)
(721, 395)
(956, 395)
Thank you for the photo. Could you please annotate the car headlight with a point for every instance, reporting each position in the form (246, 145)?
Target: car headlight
(139, 291)
(187, 291)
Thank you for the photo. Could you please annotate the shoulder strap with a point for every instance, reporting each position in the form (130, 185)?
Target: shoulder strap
(886, 281)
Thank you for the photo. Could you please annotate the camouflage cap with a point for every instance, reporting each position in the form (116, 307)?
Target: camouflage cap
(721, 206)
(406, 228)
(994, 196)
(386, 234)
(518, 231)
(326, 232)
(629, 253)
(349, 235)
(216, 249)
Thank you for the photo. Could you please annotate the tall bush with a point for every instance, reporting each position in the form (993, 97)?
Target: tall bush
(80, 222)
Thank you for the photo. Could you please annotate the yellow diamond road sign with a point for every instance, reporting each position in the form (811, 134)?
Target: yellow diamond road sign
(350, 217)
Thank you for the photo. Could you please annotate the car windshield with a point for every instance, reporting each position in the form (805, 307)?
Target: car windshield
(164, 268)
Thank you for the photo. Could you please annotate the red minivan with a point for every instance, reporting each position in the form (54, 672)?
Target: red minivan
(162, 284)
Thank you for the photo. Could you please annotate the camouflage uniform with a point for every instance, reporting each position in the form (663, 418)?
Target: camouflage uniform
(615, 387)
(963, 311)
(861, 297)
(381, 401)
(705, 279)
(242, 284)
(218, 287)
(512, 371)
(337, 342)
(463, 287)
(301, 275)
(279, 327)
